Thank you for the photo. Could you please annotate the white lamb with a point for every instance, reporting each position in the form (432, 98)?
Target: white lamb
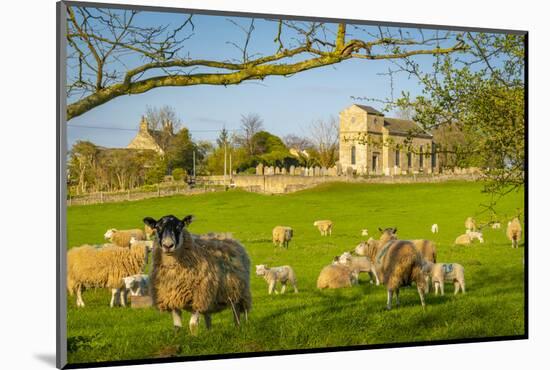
(442, 272)
(358, 265)
(435, 229)
(272, 275)
(365, 232)
(137, 285)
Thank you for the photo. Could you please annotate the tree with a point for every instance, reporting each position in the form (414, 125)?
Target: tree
(179, 152)
(251, 124)
(482, 96)
(223, 138)
(82, 165)
(324, 135)
(112, 53)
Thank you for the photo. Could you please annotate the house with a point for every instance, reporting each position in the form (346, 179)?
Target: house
(151, 139)
(371, 143)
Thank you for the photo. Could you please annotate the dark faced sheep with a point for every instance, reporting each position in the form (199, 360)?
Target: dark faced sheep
(199, 275)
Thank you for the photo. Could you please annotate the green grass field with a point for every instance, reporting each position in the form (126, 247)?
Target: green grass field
(493, 305)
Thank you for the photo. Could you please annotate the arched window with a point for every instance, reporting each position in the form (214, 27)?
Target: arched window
(353, 154)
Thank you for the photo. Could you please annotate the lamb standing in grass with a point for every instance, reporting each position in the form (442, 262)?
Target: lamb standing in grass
(365, 232)
(202, 276)
(282, 235)
(336, 276)
(282, 274)
(435, 229)
(103, 267)
(442, 272)
(358, 265)
(496, 226)
(122, 237)
(513, 232)
(137, 285)
(324, 226)
(468, 238)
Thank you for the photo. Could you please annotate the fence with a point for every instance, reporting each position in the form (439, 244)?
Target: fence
(161, 190)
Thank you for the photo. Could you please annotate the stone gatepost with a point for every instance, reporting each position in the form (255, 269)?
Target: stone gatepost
(260, 169)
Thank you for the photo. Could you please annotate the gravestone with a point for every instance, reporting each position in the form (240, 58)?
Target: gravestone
(260, 169)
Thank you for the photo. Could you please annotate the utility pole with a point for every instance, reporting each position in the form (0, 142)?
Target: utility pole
(225, 164)
(230, 165)
(193, 164)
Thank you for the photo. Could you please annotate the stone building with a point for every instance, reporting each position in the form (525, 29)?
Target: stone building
(371, 143)
(150, 139)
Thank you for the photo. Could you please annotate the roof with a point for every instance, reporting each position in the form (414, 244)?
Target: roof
(369, 109)
(405, 127)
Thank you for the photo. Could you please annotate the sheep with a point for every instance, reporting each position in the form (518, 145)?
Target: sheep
(324, 226)
(468, 238)
(441, 272)
(336, 276)
(371, 247)
(513, 232)
(282, 274)
(103, 267)
(426, 249)
(282, 235)
(358, 265)
(496, 226)
(147, 243)
(398, 264)
(202, 276)
(470, 224)
(365, 232)
(435, 229)
(122, 237)
(137, 285)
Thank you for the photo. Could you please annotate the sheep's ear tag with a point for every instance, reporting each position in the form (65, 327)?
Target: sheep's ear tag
(187, 220)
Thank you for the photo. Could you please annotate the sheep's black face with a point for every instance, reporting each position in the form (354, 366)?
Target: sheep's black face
(168, 230)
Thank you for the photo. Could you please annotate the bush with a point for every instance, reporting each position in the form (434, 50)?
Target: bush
(178, 174)
(250, 171)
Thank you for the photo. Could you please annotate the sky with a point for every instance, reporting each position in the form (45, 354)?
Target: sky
(287, 105)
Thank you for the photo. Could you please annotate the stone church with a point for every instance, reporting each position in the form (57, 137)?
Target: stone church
(150, 139)
(371, 143)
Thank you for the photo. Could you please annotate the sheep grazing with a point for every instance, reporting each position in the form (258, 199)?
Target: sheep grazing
(358, 265)
(468, 238)
(103, 267)
(513, 232)
(470, 224)
(324, 226)
(122, 237)
(336, 276)
(442, 272)
(282, 274)
(435, 229)
(202, 276)
(282, 235)
(426, 249)
(137, 285)
(398, 264)
(365, 232)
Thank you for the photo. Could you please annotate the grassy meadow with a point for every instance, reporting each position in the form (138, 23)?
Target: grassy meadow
(492, 306)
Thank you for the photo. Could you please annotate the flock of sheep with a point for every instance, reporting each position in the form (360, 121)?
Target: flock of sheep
(208, 273)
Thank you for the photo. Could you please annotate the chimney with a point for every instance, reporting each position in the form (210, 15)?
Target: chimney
(143, 126)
